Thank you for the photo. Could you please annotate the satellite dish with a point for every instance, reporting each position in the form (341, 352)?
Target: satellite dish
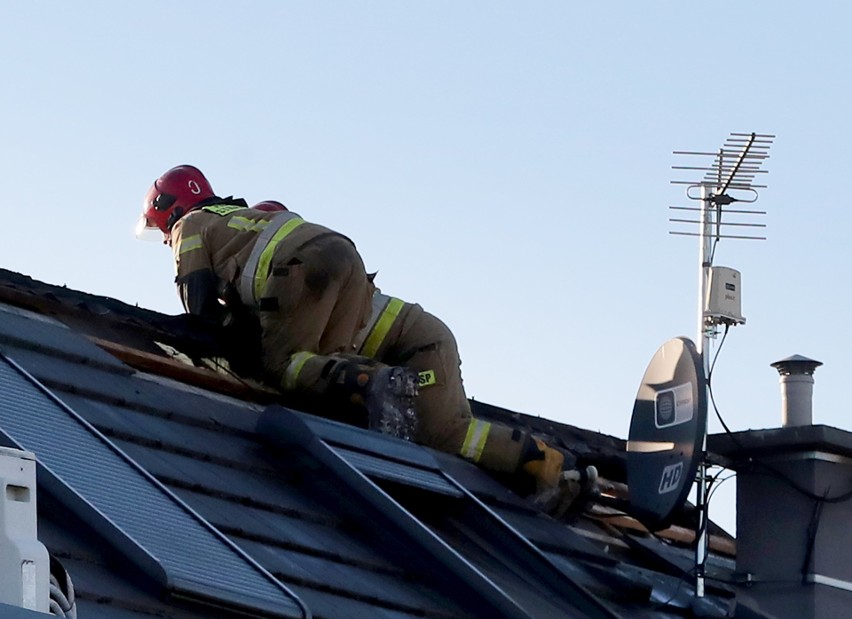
(667, 429)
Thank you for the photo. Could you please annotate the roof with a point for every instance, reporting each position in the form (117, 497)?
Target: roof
(166, 488)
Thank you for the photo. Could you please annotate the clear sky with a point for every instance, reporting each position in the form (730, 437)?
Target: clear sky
(507, 165)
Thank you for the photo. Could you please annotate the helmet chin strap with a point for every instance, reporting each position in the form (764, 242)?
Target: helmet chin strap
(174, 216)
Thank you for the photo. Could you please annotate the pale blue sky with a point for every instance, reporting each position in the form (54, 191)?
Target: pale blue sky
(506, 165)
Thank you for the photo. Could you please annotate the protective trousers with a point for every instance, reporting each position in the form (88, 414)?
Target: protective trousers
(315, 301)
(403, 334)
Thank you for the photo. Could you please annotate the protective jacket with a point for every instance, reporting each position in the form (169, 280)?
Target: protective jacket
(317, 307)
(305, 283)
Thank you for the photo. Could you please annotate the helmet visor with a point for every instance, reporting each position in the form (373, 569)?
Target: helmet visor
(147, 230)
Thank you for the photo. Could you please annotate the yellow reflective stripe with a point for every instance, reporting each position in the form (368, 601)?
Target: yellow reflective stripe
(426, 378)
(244, 223)
(383, 325)
(189, 243)
(294, 368)
(474, 442)
(222, 209)
(246, 284)
(377, 305)
(262, 270)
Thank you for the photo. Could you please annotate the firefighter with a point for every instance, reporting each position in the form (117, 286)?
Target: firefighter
(305, 285)
(404, 334)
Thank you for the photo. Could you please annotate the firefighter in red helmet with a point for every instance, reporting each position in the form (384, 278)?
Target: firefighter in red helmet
(177, 192)
(404, 334)
(304, 283)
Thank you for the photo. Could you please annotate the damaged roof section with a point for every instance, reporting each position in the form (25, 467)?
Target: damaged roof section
(316, 518)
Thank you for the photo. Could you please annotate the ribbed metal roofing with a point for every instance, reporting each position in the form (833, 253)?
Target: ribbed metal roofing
(128, 506)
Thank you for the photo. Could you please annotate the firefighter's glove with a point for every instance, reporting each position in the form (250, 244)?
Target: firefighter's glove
(544, 464)
(386, 393)
(577, 488)
(561, 493)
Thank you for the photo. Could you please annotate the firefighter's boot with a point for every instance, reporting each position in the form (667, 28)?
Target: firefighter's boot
(387, 393)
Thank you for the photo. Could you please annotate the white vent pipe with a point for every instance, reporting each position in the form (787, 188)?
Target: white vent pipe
(797, 389)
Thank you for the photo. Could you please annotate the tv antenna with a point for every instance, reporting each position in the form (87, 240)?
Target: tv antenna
(667, 445)
(730, 178)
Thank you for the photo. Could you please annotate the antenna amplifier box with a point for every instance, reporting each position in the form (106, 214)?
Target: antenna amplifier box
(723, 304)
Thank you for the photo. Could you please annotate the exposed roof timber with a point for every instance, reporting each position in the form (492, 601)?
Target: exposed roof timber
(191, 374)
(677, 534)
(614, 489)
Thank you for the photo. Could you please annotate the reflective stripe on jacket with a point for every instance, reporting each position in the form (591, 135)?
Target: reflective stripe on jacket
(233, 241)
(386, 310)
(256, 269)
(475, 439)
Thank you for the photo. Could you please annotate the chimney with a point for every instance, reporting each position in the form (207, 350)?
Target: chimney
(797, 389)
(794, 506)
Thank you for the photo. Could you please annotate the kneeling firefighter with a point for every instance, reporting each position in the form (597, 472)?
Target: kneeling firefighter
(404, 334)
(303, 283)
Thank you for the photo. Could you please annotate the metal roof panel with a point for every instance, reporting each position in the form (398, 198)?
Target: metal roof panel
(189, 556)
(24, 328)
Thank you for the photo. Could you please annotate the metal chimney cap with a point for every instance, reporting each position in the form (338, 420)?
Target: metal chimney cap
(796, 364)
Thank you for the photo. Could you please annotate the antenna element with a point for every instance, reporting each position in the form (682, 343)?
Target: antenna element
(729, 177)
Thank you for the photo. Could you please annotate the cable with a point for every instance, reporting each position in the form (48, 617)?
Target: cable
(713, 250)
(710, 382)
(773, 472)
(724, 479)
(813, 527)
(62, 602)
(769, 469)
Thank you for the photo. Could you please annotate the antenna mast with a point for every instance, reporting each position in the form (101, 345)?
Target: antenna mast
(728, 178)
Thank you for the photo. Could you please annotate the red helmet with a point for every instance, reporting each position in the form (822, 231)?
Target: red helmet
(172, 196)
(270, 206)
